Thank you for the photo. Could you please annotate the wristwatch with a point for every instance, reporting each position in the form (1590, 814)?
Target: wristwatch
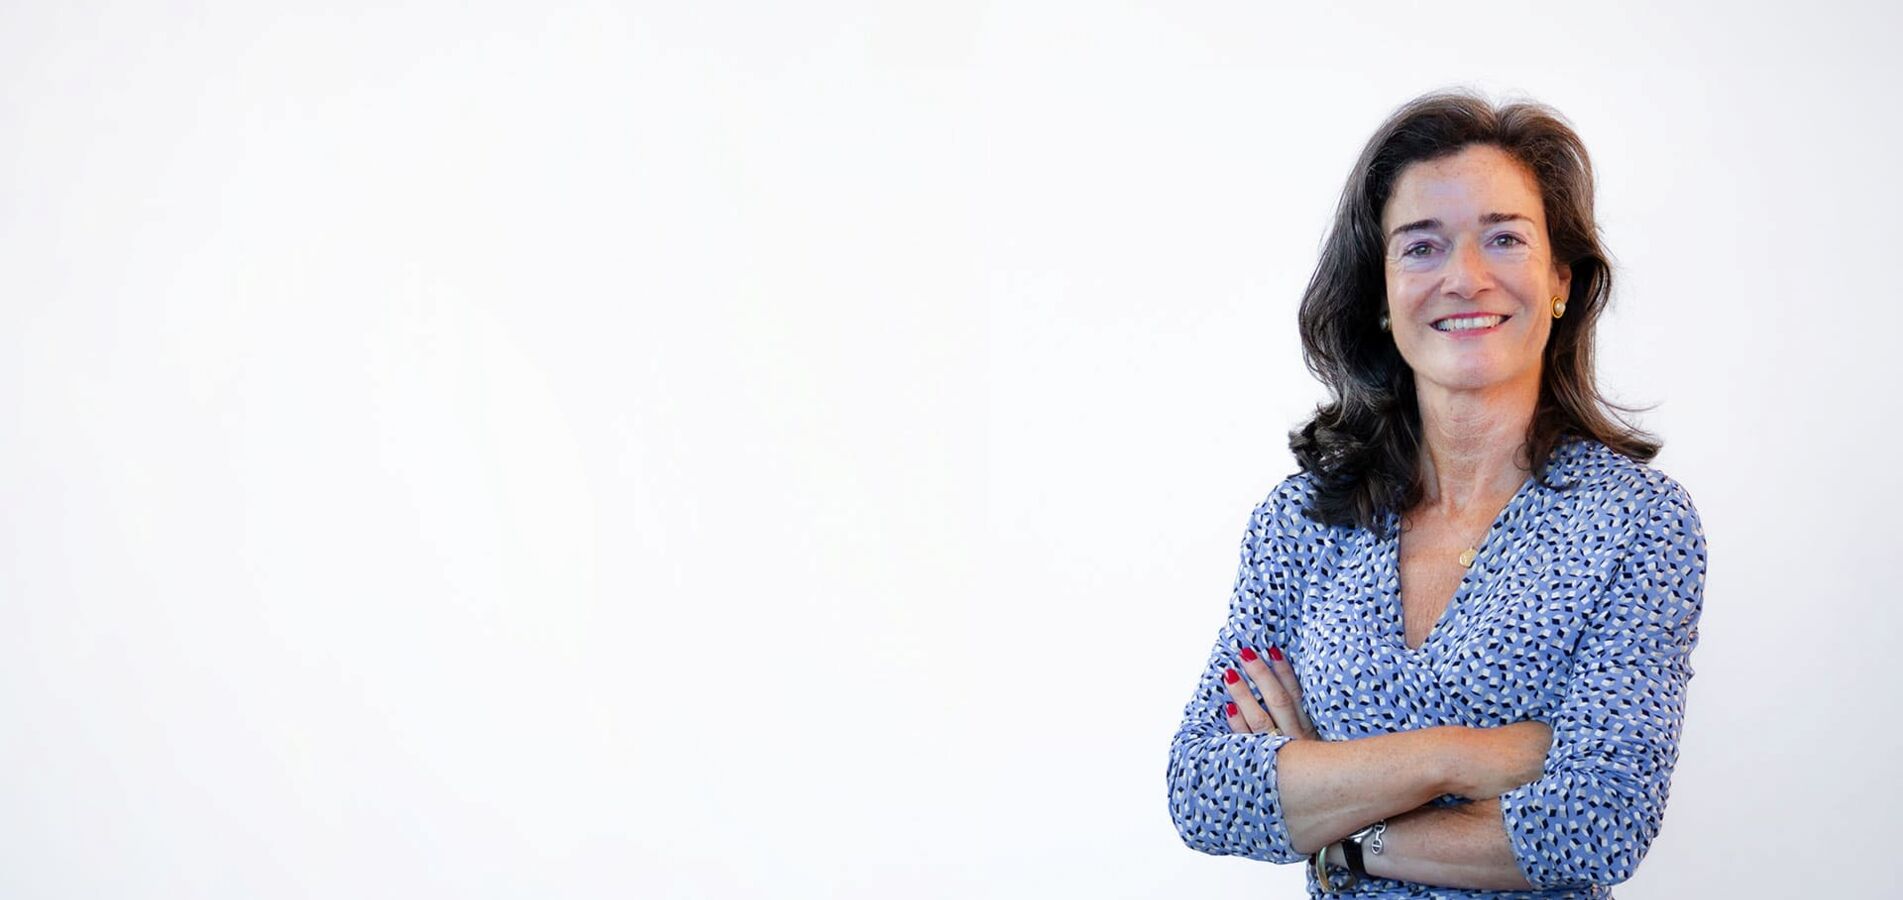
(1351, 847)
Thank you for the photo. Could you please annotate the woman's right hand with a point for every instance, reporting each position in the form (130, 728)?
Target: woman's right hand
(1488, 762)
(1281, 711)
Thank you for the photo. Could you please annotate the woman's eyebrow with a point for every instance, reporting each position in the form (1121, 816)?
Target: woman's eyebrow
(1492, 218)
(1495, 218)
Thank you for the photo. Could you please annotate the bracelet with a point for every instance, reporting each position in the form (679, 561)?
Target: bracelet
(1321, 872)
(1372, 835)
(1351, 849)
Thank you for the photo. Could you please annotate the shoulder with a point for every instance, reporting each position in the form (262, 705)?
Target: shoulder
(1604, 484)
(1642, 526)
(1281, 517)
(1286, 500)
(1282, 544)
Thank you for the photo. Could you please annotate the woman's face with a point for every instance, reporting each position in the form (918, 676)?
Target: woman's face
(1466, 236)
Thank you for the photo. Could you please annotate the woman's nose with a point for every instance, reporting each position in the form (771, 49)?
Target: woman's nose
(1466, 269)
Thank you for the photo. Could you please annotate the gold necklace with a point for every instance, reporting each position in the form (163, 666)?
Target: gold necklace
(1472, 552)
(1467, 555)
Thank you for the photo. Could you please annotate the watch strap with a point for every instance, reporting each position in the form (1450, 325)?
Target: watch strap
(1352, 845)
(1351, 850)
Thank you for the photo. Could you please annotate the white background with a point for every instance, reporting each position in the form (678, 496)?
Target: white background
(800, 450)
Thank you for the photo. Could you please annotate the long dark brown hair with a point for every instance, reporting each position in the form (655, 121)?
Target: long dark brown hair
(1363, 445)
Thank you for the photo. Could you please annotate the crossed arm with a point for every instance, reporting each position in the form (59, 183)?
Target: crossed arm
(1585, 810)
(1264, 786)
(1329, 789)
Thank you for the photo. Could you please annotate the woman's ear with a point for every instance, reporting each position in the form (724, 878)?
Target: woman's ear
(1564, 273)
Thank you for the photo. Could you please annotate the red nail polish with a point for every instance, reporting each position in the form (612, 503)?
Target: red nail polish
(1275, 653)
(1248, 655)
(1230, 676)
(1231, 709)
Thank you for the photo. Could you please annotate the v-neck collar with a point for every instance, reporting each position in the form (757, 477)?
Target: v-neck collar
(1527, 504)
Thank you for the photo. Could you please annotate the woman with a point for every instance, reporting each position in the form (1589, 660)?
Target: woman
(1457, 651)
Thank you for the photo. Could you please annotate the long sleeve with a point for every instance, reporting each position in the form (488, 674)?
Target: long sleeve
(1601, 799)
(1221, 784)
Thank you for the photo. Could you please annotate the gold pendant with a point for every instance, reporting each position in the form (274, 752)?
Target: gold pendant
(1467, 556)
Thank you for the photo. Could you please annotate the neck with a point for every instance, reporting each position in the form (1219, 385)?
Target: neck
(1472, 444)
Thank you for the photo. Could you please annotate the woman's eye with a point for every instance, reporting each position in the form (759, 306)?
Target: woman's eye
(1410, 251)
(1513, 238)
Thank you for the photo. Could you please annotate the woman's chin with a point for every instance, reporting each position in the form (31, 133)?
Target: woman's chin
(1466, 381)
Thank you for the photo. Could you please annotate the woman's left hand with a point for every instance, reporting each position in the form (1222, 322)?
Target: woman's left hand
(1280, 711)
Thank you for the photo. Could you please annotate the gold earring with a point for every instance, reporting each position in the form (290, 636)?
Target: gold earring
(1559, 306)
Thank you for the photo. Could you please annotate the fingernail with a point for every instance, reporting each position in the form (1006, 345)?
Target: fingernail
(1275, 653)
(1230, 708)
(1248, 655)
(1230, 676)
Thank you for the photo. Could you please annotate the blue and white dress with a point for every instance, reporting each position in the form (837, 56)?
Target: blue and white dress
(1581, 611)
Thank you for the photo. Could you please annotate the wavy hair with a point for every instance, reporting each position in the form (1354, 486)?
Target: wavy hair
(1363, 444)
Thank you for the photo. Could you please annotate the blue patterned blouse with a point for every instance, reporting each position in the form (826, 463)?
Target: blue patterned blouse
(1581, 611)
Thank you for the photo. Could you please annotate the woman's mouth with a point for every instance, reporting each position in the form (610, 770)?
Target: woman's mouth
(1464, 326)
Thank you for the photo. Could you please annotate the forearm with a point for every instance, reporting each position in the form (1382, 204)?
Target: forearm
(1330, 789)
(1461, 846)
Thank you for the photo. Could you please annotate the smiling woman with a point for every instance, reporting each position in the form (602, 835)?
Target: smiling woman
(1484, 227)
(1477, 601)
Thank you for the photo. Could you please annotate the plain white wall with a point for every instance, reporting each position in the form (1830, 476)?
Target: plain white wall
(800, 450)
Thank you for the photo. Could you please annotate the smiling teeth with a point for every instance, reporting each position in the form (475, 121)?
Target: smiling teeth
(1469, 323)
